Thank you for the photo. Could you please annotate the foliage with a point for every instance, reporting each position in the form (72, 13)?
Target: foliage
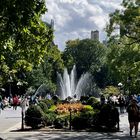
(48, 102)
(43, 106)
(24, 37)
(111, 90)
(61, 122)
(92, 100)
(108, 117)
(128, 20)
(87, 108)
(124, 64)
(67, 107)
(52, 108)
(33, 116)
(83, 120)
(88, 55)
(49, 118)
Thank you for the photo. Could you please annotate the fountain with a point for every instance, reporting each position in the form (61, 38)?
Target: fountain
(41, 91)
(69, 86)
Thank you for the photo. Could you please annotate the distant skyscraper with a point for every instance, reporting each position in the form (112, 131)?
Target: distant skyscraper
(52, 23)
(95, 35)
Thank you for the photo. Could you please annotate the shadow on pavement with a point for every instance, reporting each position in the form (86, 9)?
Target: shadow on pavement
(75, 136)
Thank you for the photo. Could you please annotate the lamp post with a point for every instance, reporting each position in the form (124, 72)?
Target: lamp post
(70, 110)
(120, 86)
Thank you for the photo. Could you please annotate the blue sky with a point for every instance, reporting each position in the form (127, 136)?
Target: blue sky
(76, 18)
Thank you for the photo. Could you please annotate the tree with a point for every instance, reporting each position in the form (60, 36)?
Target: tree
(124, 64)
(46, 72)
(24, 37)
(88, 55)
(128, 20)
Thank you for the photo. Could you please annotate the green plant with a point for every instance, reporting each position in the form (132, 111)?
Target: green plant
(61, 122)
(52, 108)
(48, 102)
(33, 116)
(92, 100)
(87, 108)
(43, 106)
(49, 118)
(108, 117)
(83, 120)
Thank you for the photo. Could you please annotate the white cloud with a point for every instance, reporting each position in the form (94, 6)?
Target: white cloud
(76, 18)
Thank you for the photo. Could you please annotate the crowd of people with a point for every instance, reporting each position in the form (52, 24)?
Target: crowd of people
(10, 101)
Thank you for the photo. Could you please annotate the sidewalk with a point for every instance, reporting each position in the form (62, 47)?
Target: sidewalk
(123, 134)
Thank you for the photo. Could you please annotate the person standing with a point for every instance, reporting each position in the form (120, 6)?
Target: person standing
(15, 102)
(133, 116)
(121, 101)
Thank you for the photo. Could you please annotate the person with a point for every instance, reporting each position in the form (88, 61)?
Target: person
(121, 101)
(15, 102)
(133, 116)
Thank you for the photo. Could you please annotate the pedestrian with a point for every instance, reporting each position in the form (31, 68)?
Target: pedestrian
(133, 116)
(121, 101)
(15, 102)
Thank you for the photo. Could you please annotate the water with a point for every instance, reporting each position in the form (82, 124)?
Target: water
(69, 86)
(41, 91)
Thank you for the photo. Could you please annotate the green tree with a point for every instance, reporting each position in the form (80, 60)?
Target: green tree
(46, 72)
(128, 20)
(24, 37)
(88, 55)
(124, 64)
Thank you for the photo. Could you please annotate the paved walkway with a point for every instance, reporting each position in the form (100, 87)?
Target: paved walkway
(123, 134)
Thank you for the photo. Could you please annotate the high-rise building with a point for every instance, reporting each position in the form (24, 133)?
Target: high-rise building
(95, 35)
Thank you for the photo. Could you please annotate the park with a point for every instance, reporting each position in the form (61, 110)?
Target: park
(60, 86)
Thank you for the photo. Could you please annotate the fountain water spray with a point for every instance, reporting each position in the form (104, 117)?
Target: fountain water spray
(69, 86)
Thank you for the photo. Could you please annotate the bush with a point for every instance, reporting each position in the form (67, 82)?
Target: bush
(92, 100)
(61, 122)
(52, 108)
(33, 116)
(87, 108)
(83, 120)
(48, 102)
(108, 117)
(49, 118)
(96, 105)
(43, 106)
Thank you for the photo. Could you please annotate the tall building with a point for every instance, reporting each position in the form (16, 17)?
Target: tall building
(95, 35)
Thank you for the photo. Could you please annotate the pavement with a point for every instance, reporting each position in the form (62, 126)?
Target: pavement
(12, 133)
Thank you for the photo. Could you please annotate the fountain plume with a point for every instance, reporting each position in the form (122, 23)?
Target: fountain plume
(70, 87)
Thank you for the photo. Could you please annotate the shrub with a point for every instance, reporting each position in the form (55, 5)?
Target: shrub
(49, 118)
(87, 108)
(92, 100)
(61, 122)
(48, 102)
(33, 116)
(108, 117)
(96, 105)
(52, 108)
(83, 120)
(43, 106)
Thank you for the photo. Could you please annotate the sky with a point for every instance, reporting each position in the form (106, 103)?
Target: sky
(77, 18)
